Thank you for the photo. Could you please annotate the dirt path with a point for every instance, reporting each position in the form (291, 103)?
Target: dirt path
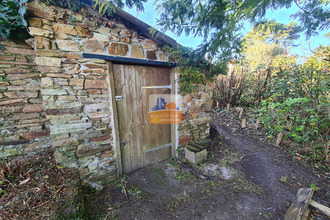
(248, 180)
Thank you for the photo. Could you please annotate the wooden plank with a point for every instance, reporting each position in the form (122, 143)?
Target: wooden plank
(279, 138)
(114, 119)
(133, 115)
(123, 110)
(299, 208)
(325, 210)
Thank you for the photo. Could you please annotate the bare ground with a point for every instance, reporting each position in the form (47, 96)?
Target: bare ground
(248, 179)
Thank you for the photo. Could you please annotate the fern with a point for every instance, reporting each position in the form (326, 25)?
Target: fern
(104, 6)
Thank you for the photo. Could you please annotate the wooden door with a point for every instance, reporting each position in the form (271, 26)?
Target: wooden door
(136, 134)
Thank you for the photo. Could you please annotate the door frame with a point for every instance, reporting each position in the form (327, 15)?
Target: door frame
(174, 74)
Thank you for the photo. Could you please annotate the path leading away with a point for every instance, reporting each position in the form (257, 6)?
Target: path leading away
(248, 179)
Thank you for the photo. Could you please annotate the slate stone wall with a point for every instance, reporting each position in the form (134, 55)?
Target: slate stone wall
(24, 127)
(196, 119)
(52, 98)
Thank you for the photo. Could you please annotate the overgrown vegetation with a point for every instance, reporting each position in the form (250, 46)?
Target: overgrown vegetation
(286, 95)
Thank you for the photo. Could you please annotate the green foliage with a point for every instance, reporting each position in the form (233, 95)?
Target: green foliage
(108, 7)
(74, 5)
(220, 22)
(313, 186)
(12, 19)
(195, 69)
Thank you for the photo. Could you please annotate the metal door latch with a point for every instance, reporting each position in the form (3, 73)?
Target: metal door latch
(119, 98)
(158, 87)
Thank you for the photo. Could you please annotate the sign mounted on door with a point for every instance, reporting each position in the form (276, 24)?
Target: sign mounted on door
(165, 109)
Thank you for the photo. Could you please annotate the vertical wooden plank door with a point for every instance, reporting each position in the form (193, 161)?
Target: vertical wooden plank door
(136, 134)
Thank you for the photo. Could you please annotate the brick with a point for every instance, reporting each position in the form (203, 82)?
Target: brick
(33, 108)
(96, 84)
(66, 142)
(22, 76)
(66, 98)
(42, 43)
(94, 66)
(47, 82)
(4, 83)
(53, 75)
(125, 39)
(99, 115)
(39, 32)
(68, 45)
(36, 134)
(93, 46)
(100, 37)
(77, 82)
(35, 22)
(72, 30)
(21, 51)
(62, 36)
(149, 44)
(103, 30)
(53, 92)
(185, 140)
(85, 150)
(106, 154)
(137, 51)
(95, 107)
(44, 69)
(64, 111)
(194, 109)
(8, 143)
(12, 102)
(101, 138)
(17, 71)
(73, 56)
(151, 55)
(118, 49)
(48, 61)
(69, 128)
(50, 53)
(7, 58)
(16, 88)
(25, 116)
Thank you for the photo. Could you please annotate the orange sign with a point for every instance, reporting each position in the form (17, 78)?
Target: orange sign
(165, 113)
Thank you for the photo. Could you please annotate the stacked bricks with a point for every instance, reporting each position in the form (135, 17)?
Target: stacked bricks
(53, 98)
(195, 124)
(75, 91)
(24, 126)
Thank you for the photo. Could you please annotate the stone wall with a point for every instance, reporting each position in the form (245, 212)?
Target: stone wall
(24, 127)
(196, 120)
(51, 97)
(75, 91)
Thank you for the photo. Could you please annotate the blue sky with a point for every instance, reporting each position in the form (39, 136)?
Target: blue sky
(283, 15)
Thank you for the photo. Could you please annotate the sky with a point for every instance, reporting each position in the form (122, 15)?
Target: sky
(282, 15)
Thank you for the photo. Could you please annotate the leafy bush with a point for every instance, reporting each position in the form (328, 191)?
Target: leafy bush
(296, 117)
(12, 19)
